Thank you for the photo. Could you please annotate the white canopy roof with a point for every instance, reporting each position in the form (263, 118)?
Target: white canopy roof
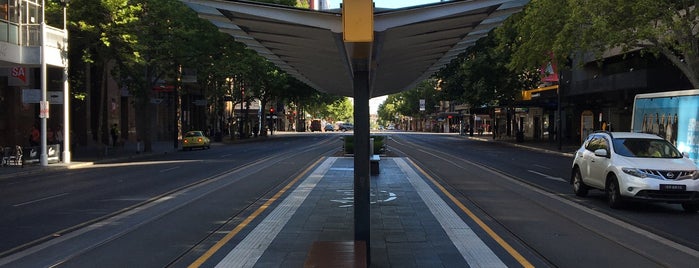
(410, 44)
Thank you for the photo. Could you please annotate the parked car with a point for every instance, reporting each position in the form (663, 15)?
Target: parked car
(195, 139)
(346, 127)
(329, 127)
(635, 167)
(316, 125)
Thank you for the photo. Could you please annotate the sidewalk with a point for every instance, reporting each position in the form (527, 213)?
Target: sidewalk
(565, 148)
(92, 154)
(88, 155)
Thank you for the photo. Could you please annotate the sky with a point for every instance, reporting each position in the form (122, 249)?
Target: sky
(387, 3)
(375, 102)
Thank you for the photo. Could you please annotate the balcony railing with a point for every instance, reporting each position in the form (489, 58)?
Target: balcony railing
(30, 35)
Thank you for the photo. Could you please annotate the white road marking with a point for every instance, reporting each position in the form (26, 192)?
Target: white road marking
(39, 200)
(169, 169)
(544, 167)
(471, 247)
(547, 176)
(248, 251)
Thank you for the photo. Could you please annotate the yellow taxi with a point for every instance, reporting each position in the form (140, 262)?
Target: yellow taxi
(195, 139)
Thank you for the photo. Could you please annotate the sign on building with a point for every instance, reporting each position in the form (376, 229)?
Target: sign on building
(18, 76)
(34, 96)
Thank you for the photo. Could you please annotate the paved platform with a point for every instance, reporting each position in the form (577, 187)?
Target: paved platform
(413, 223)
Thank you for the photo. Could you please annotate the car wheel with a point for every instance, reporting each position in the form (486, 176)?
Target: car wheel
(690, 207)
(579, 186)
(613, 195)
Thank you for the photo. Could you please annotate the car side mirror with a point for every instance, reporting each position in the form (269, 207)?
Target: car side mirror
(601, 152)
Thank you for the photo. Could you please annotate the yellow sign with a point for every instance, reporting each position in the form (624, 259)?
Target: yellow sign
(358, 20)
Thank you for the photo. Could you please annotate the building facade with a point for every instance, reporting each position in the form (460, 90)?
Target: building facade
(21, 24)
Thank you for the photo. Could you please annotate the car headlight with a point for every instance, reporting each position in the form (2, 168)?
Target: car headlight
(694, 174)
(635, 172)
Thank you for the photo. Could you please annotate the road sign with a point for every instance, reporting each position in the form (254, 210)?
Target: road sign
(34, 96)
(43, 109)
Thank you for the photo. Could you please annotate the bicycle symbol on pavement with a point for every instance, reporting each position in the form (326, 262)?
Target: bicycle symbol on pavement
(347, 199)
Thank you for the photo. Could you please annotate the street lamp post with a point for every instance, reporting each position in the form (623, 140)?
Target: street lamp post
(66, 88)
(43, 104)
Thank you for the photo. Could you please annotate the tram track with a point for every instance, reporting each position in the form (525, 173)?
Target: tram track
(223, 178)
(451, 161)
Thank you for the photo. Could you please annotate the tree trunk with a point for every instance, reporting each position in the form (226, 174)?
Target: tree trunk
(101, 129)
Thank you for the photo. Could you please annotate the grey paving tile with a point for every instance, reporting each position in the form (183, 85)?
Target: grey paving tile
(403, 231)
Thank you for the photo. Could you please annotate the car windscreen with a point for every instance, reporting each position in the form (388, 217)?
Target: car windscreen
(649, 148)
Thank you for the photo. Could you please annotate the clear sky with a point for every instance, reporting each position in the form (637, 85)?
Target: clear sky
(388, 3)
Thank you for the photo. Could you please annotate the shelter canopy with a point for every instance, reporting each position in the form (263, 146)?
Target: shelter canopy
(410, 44)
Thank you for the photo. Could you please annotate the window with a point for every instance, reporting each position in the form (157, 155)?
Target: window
(597, 142)
(652, 148)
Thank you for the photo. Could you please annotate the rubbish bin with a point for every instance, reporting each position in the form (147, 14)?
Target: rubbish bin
(520, 136)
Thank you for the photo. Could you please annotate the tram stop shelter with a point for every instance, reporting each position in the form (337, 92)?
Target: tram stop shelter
(359, 51)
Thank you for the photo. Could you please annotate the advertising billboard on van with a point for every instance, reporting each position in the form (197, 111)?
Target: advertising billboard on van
(671, 115)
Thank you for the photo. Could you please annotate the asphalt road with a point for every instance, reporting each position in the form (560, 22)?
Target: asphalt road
(163, 211)
(528, 195)
(210, 188)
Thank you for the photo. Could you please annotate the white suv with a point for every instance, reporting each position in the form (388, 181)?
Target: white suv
(635, 166)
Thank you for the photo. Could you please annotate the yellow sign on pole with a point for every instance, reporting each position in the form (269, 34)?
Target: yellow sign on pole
(358, 20)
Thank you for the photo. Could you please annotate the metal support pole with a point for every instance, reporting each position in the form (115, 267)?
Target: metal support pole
(43, 158)
(361, 159)
(66, 93)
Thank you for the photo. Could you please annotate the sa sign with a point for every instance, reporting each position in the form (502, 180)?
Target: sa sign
(20, 73)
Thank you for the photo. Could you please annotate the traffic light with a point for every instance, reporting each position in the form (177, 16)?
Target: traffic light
(271, 110)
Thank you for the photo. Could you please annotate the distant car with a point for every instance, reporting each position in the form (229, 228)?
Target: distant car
(316, 125)
(329, 127)
(346, 127)
(195, 139)
(635, 166)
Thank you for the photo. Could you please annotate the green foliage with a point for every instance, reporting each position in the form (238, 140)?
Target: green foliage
(481, 77)
(407, 103)
(142, 43)
(574, 28)
(340, 110)
(379, 144)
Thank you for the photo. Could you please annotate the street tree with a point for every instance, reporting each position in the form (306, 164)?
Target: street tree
(480, 76)
(572, 29)
(407, 103)
(341, 109)
(98, 29)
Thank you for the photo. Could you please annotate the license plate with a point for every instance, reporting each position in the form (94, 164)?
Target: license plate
(673, 187)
